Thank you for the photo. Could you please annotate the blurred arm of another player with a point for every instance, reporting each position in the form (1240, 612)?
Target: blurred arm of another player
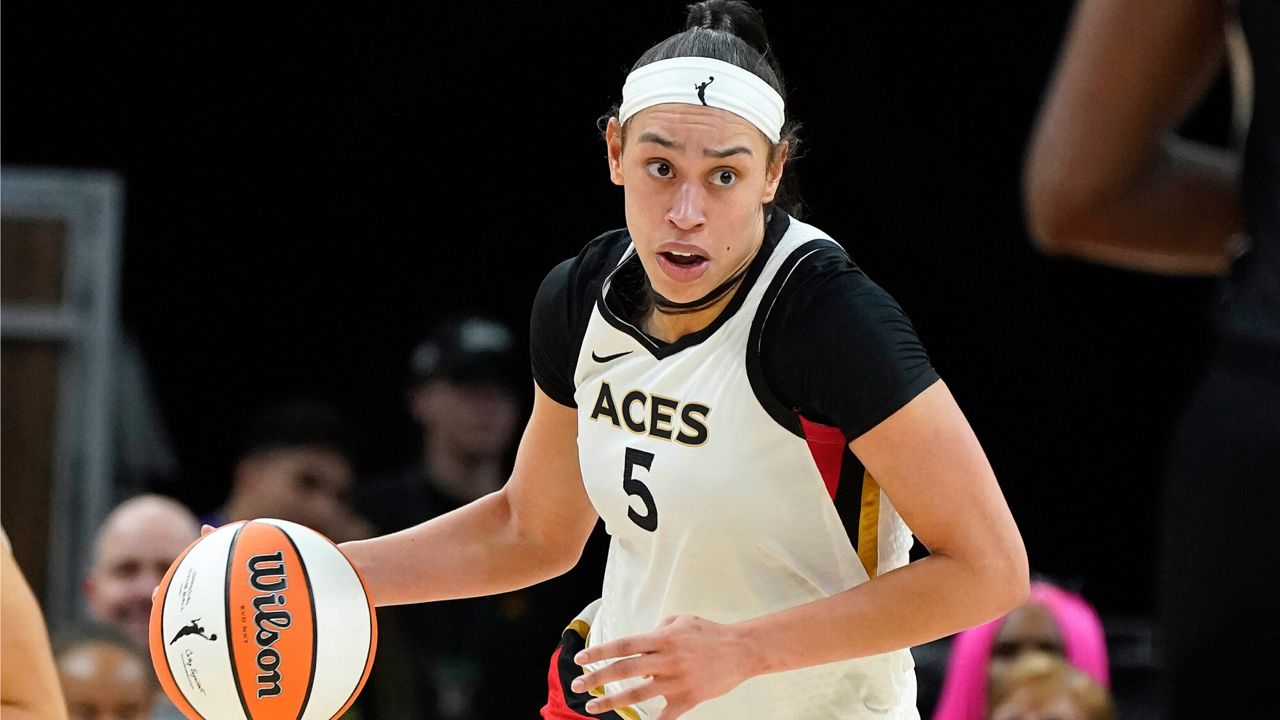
(1106, 179)
(531, 530)
(29, 686)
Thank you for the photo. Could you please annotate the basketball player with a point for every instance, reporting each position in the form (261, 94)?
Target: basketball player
(1108, 180)
(700, 375)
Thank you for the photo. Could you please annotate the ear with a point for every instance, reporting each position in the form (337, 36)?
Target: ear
(420, 400)
(613, 141)
(89, 587)
(240, 474)
(780, 155)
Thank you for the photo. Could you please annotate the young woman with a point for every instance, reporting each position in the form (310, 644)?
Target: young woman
(699, 375)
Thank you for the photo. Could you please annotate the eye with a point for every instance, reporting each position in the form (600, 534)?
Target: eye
(660, 169)
(724, 178)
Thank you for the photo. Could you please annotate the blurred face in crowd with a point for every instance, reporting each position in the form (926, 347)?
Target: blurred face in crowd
(695, 179)
(1039, 703)
(475, 419)
(101, 681)
(1027, 629)
(307, 485)
(135, 547)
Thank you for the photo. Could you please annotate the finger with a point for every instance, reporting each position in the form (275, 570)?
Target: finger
(622, 647)
(639, 666)
(154, 590)
(668, 620)
(206, 529)
(670, 712)
(626, 698)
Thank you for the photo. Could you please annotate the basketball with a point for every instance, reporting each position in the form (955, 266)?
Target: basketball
(262, 620)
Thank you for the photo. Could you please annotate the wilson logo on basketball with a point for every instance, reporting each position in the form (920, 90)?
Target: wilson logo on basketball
(267, 575)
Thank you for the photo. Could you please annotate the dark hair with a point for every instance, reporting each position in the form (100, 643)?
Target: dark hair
(298, 423)
(733, 31)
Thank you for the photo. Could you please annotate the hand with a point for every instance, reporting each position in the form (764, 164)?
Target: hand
(686, 660)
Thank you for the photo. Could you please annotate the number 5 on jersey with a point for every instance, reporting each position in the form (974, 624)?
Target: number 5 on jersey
(632, 486)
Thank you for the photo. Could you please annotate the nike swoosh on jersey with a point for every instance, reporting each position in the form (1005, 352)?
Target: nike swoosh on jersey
(607, 358)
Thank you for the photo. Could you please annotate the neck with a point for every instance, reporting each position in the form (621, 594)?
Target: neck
(460, 475)
(671, 327)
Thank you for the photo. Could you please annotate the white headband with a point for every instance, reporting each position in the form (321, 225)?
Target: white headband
(705, 81)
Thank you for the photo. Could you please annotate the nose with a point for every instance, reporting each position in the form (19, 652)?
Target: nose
(687, 207)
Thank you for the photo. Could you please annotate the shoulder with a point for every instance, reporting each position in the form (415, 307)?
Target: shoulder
(819, 277)
(576, 277)
(835, 344)
(562, 310)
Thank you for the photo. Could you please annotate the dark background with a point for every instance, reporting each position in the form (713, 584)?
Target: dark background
(307, 190)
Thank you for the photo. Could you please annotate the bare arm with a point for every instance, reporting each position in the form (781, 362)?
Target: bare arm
(531, 530)
(1106, 179)
(926, 458)
(28, 679)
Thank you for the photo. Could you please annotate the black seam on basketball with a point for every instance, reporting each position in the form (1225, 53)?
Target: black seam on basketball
(164, 632)
(368, 654)
(226, 606)
(315, 640)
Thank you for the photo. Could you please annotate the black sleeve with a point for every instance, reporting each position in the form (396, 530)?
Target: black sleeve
(562, 309)
(552, 347)
(839, 349)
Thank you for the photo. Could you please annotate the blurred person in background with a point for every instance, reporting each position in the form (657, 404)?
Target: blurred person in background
(1109, 180)
(464, 397)
(29, 688)
(137, 542)
(1040, 686)
(1053, 621)
(134, 548)
(105, 676)
(465, 380)
(296, 463)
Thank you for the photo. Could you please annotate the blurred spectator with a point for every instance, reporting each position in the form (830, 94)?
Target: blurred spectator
(464, 384)
(1040, 686)
(1109, 179)
(296, 463)
(104, 675)
(464, 397)
(28, 682)
(137, 542)
(135, 546)
(1053, 621)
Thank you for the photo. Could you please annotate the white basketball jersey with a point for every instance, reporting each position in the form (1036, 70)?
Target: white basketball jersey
(715, 509)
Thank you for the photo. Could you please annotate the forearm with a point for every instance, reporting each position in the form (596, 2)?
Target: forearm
(925, 600)
(1181, 217)
(475, 550)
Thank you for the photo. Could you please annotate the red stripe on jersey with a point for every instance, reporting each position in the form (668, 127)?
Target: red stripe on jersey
(826, 444)
(556, 707)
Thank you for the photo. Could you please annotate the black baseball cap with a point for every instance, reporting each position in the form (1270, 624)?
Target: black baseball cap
(470, 349)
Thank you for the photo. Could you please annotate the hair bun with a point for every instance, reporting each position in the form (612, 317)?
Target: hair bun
(731, 16)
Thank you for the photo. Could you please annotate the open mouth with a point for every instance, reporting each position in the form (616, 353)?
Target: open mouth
(683, 259)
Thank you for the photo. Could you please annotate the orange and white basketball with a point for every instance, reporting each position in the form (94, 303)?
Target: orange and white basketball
(262, 620)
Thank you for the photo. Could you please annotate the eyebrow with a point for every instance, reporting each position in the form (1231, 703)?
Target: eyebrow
(673, 145)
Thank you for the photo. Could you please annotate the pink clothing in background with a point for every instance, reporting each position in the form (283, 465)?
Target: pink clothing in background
(964, 691)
